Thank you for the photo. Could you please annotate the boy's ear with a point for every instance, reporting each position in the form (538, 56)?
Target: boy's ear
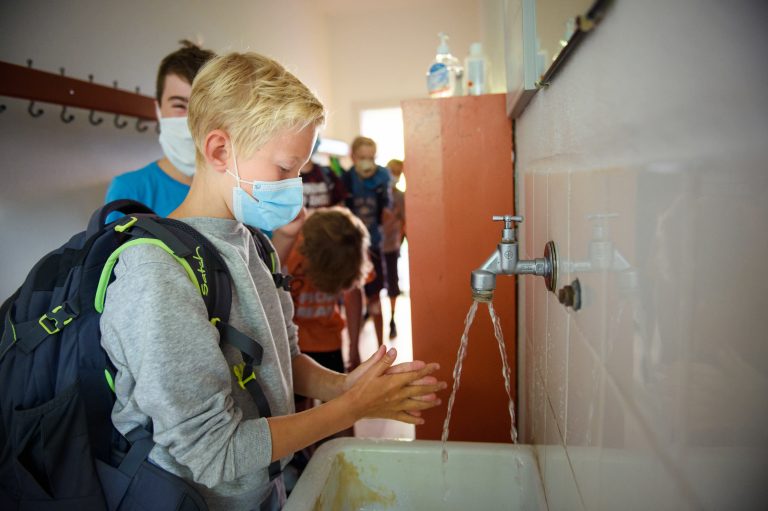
(216, 149)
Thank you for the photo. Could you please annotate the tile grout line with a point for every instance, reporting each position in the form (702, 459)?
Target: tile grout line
(565, 449)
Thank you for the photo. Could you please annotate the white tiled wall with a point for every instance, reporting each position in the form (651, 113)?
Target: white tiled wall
(653, 395)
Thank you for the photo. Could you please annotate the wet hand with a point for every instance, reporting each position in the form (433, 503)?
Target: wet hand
(375, 389)
(403, 367)
(430, 381)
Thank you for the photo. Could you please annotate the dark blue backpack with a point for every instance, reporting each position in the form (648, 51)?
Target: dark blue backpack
(58, 447)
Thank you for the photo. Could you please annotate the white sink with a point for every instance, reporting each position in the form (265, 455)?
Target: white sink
(355, 474)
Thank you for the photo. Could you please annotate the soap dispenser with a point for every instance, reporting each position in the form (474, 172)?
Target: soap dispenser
(445, 75)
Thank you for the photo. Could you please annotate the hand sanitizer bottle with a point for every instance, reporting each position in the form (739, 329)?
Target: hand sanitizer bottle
(445, 75)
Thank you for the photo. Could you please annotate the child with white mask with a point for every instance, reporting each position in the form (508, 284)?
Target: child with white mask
(163, 184)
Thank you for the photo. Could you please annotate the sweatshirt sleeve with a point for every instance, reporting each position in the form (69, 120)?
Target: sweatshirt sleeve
(171, 369)
(286, 302)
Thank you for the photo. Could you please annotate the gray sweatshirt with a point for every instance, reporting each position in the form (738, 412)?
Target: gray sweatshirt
(172, 372)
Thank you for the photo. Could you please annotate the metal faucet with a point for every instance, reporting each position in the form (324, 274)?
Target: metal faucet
(505, 261)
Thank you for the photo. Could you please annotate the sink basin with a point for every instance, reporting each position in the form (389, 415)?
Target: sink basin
(354, 474)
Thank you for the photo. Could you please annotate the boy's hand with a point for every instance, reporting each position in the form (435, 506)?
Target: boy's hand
(375, 389)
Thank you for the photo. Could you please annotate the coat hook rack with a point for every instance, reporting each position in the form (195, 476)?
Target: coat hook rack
(140, 127)
(31, 108)
(65, 117)
(34, 85)
(118, 123)
(92, 116)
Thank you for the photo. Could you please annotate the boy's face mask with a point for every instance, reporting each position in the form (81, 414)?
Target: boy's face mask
(272, 205)
(178, 146)
(365, 168)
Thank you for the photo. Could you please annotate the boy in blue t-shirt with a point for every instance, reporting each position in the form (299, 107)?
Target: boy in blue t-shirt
(162, 185)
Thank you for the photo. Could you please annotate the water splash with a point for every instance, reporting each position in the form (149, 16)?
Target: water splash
(457, 376)
(504, 370)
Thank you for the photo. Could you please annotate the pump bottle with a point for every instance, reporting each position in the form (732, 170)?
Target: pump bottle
(445, 76)
(477, 70)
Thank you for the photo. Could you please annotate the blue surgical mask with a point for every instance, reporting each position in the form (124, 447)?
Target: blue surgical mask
(272, 205)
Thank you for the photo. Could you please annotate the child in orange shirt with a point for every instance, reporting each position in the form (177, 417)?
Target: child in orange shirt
(330, 256)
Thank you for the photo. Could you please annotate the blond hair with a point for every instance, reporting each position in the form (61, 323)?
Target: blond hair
(361, 141)
(252, 98)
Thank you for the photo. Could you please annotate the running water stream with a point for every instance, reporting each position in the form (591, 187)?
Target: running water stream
(457, 373)
(504, 369)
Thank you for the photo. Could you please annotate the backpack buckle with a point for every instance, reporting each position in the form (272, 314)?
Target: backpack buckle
(282, 281)
(52, 322)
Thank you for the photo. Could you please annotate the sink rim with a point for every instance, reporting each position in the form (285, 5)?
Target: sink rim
(307, 489)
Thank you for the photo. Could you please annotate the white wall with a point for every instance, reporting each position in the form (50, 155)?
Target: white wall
(653, 396)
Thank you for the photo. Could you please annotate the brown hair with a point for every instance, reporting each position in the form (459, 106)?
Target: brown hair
(361, 141)
(184, 62)
(335, 246)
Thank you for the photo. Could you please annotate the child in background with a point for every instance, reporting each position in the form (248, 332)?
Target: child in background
(368, 197)
(163, 184)
(393, 229)
(329, 257)
(254, 125)
(322, 187)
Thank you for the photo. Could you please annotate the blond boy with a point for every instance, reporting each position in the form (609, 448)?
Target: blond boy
(254, 125)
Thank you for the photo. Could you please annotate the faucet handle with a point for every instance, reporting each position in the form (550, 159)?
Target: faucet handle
(508, 220)
(508, 234)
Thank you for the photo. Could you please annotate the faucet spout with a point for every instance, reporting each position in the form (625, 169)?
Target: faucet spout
(505, 261)
(483, 281)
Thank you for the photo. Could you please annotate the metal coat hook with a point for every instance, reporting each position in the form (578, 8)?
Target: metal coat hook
(65, 117)
(91, 117)
(119, 124)
(139, 127)
(31, 108)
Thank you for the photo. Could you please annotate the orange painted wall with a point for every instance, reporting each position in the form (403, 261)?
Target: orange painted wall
(458, 154)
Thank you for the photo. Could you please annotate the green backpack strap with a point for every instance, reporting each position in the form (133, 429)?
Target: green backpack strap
(106, 272)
